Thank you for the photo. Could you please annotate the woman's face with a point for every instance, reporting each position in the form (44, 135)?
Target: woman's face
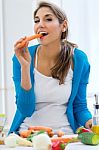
(47, 22)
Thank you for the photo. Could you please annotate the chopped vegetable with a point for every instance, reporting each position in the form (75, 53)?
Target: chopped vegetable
(42, 142)
(38, 128)
(14, 140)
(25, 133)
(82, 129)
(64, 139)
(24, 142)
(58, 145)
(60, 133)
(89, 138)
(29, 138)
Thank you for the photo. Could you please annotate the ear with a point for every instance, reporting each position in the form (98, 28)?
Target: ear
(64, 26)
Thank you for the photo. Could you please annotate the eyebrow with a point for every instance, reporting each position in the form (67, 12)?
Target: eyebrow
(47, 15)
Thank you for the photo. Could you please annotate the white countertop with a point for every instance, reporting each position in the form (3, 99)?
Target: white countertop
(80, 146)
(71, 146)
(2, 147)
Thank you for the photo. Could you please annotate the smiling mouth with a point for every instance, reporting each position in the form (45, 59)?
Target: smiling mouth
(43, 33)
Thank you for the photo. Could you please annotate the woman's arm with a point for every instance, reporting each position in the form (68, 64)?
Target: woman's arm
(25, 98)
(24, 59)
(81, 112)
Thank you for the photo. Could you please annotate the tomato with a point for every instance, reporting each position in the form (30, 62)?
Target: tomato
(58, 145)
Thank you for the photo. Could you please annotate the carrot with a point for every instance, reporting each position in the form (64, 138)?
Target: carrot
(25, 133)
(33, 37)
(38, 128)
(64, 139)
(29, 38)
(51, 134)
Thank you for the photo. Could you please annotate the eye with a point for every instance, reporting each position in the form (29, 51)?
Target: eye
(36, 21)
(49, 19)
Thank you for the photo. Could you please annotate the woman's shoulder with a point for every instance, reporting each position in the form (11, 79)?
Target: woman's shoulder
(80, 55)
(80, 59)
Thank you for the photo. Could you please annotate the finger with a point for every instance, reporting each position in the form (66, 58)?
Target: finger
(25, 49)
(20, 41)
(90, 125)
(21, 45)
(27, 43)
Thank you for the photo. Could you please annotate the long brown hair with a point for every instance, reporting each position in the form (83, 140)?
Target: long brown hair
(60, 69)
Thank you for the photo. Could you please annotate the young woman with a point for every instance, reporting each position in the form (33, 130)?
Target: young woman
(50, 78)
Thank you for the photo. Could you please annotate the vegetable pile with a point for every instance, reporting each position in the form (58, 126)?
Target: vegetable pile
(87, 136)
(43, 138)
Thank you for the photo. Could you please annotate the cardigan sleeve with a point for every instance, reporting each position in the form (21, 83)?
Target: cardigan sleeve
(81, 112)
(25, 100)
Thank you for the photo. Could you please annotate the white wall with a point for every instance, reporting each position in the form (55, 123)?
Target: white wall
(16, 21)
(2, 94)
(84, 30)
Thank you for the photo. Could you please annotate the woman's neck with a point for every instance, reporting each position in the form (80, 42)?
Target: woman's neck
(50, 52)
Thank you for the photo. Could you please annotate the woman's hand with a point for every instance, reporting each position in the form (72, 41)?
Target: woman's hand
(22, 53)
(88, 124)
(24, 58)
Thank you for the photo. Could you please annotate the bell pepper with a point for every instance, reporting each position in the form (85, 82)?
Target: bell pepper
(82, 130)
(58, 145)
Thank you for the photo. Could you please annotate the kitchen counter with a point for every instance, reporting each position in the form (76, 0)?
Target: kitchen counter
(71, 146)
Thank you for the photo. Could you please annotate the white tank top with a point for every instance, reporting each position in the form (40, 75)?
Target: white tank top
(51, 102)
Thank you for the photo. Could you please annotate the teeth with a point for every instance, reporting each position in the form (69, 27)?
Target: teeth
(43, 33)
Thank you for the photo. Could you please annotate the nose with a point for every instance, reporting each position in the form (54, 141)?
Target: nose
(41, 24)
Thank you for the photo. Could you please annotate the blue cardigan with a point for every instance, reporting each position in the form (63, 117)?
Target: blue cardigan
(77, 111)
